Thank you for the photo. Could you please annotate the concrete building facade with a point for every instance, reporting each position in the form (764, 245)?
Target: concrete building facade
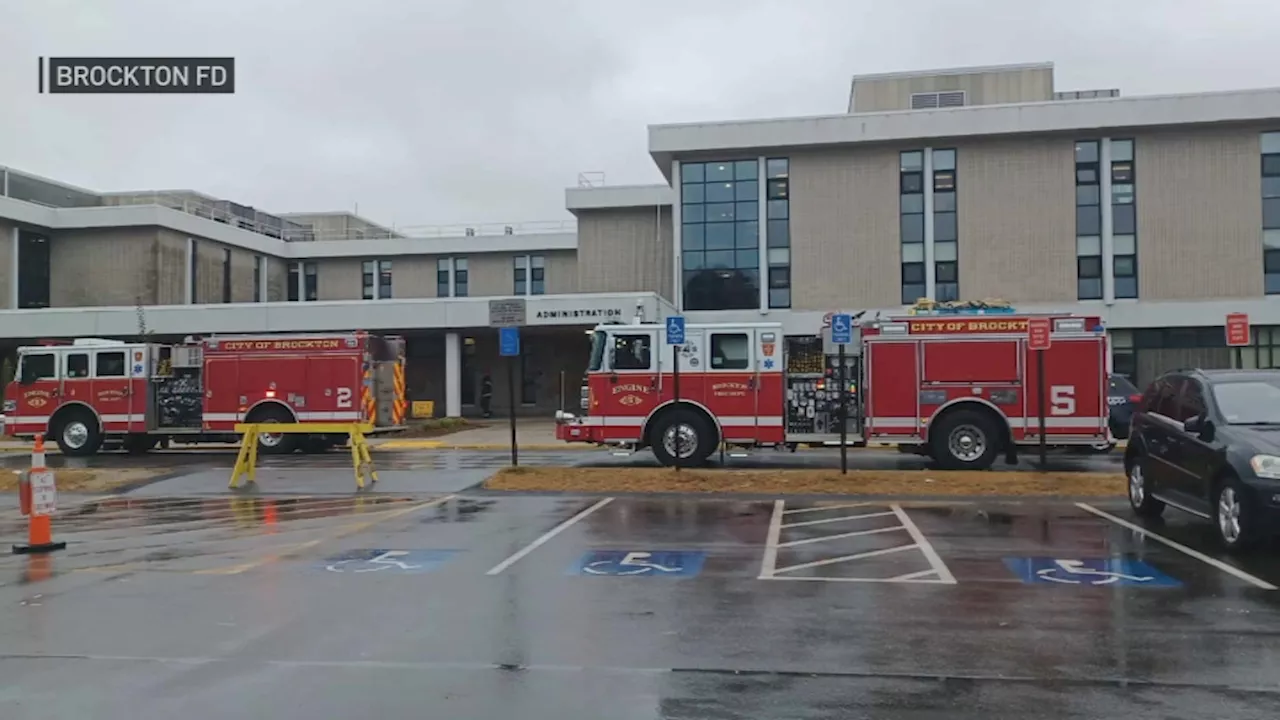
(1161, 214)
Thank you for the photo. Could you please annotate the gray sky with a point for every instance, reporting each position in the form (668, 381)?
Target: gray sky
(450, 111)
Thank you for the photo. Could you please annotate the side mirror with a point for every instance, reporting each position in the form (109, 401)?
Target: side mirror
(1199, 425)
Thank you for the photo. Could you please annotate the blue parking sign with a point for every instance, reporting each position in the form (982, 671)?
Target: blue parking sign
(508, 341)
(841, 329)
(675, 330)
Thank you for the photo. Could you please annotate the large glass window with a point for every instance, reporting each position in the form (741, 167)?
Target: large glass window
(720, 234)
(778, 217)
(911, 224)
(1088, 222)
(376, 279)
(1124, 220)
(1271, 211)
(311, 281)
(226, 275)
(946, 269)
(33, 270)
(444, 269)
(258, 262)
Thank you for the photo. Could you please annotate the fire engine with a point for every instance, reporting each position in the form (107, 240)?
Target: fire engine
(960, 388)
(91, 391)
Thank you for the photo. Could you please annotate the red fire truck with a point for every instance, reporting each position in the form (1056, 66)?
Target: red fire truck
(961, 388)
(89, 391)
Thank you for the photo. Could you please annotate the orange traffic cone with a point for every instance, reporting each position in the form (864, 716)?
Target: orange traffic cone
(39, 520)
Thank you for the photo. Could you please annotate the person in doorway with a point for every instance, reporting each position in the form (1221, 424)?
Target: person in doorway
(486, 394)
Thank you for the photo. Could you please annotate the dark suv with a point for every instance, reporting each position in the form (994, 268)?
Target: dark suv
(1207, 442)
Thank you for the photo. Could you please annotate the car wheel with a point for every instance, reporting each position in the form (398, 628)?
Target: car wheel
(1140, 499)
(1235, 515)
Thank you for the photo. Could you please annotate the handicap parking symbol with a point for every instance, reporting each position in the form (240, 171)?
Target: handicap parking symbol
(620, 563)
(387, 562)
(1117, 571)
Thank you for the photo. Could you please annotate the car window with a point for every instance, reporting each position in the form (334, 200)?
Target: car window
(1249, 402)
(1166, 400)
(631, 352)
(1192, 401)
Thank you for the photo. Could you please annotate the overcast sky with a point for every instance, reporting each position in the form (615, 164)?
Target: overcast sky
(449, 111)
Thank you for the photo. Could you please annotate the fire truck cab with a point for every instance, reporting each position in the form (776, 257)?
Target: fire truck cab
(960, 388)
(92, 391)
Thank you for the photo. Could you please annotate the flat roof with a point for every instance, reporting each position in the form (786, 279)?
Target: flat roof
(943, 72)
(723, 140)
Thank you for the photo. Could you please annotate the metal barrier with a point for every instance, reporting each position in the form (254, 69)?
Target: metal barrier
(247, 459)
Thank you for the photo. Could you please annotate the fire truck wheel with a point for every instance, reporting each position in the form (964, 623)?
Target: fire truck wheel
(964, 440)
(78, 434)
(697, 438)
(274, 443)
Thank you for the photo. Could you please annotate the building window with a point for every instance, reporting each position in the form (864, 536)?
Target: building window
(384, 279)
(258, 262)
(946, 231)
(530, 274)
(1088, 222)
(911, 224)
(1271, 211)
(226, 275)
(1124, 220)
(720, 235)
(451, 277)
(295, 270)
(311, 282)
(33, 270)
(778, 230)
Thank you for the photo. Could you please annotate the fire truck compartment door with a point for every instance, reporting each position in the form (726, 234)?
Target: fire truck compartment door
(959, 361)
(384, 391)
(731, 381)
(1075, 387)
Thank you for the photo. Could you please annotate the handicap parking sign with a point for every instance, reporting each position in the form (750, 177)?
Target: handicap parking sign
(1089, 571)
(387, 562)
(623, 563)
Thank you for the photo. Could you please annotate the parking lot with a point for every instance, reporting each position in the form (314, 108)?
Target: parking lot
(184, 599)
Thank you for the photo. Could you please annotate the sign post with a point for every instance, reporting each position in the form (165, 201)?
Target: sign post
(1039, 339)
(675, 338)
(841, 335)
(509, 348)
(1238, 335)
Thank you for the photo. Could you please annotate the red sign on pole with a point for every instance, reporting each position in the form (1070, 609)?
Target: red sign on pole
(1237, 329)
(1039, 333)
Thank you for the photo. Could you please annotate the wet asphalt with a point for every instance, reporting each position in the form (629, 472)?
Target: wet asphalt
(181, 599)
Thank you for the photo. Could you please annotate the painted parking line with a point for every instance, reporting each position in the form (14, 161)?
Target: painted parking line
(1233, 571)
(545, 537)
(778, 540)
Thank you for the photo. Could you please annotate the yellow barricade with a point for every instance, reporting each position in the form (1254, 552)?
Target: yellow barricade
(247, 460)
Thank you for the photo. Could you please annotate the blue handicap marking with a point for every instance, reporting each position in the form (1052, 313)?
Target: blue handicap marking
(387, 562)
(1089, 571)
(623, 563)
(508, 341)
(841, 329)
(675, 330)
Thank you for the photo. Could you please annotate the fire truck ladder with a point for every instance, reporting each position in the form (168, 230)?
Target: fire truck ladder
(247, 460)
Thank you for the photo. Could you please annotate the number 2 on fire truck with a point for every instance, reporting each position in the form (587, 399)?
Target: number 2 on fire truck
(344, 397)
(1062, 399)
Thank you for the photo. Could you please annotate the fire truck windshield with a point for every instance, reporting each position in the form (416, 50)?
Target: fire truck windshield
(597, 351)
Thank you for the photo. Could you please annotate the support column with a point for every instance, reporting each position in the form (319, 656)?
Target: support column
(452, 375)
(677, 252)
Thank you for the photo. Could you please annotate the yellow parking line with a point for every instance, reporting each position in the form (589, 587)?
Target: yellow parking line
(344, 531)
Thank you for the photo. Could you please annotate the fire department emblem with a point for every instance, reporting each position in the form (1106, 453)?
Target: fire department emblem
(630, 400)
(36, 398)
(766, 348)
